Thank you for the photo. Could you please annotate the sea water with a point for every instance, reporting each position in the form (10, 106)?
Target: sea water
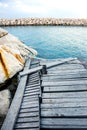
(53, 42)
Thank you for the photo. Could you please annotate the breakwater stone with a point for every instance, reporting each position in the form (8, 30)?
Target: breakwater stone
(43, 21)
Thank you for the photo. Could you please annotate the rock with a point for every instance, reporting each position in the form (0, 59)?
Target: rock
(13, 54)
(12, 85)
(43, 21)
(3, 33)
(5, 100)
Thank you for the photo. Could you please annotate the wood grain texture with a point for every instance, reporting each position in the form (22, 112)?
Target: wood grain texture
(64, 123)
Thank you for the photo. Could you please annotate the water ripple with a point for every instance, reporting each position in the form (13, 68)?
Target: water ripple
(53, 42)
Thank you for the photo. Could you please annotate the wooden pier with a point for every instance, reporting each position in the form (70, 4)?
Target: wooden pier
(52, 94)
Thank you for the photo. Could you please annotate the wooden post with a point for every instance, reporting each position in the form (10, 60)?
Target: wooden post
(44, 70)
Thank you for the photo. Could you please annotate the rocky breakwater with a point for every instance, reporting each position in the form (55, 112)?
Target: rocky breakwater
(43, 21)
(13, 54)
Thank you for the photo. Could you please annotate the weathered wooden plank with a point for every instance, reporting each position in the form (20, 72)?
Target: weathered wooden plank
(65, 112)
(31, 114)
(34, 74)
(27, 125)
(65, 88)
(64, 123)
(65, 95)
(65, 100)
(31, 86)
(35, 62)
(66, 70)
(33, 66)
(76, 127)
(67, 76)
(26, 110)
(65, 79)
(32, 93)
(33, 79)
(27, 119)
(64, 104)
(26, 129)
(30, 71)
(59, 61)
(79, 82)
(35, 82)
(33, 90)
(63, 72)
(32, 83)
(30, 103)
(15, 105)
(29, 106)
(30, 99)
(67, 66)
(75, 60)
(77, 65)
(56, 63)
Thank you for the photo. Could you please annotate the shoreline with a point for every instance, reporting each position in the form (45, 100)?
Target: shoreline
(43, 22)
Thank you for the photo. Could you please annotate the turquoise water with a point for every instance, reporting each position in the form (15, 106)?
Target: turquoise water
(53, 42)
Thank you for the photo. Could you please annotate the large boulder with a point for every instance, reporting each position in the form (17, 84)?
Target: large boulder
(5, 100)
(13, 54)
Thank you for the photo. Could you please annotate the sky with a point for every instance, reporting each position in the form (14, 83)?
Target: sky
(43, 8)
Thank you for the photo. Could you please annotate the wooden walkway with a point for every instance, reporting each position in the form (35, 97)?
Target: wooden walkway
(52, 94)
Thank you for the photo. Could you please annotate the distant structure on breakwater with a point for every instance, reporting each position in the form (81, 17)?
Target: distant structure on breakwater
(43, 21)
